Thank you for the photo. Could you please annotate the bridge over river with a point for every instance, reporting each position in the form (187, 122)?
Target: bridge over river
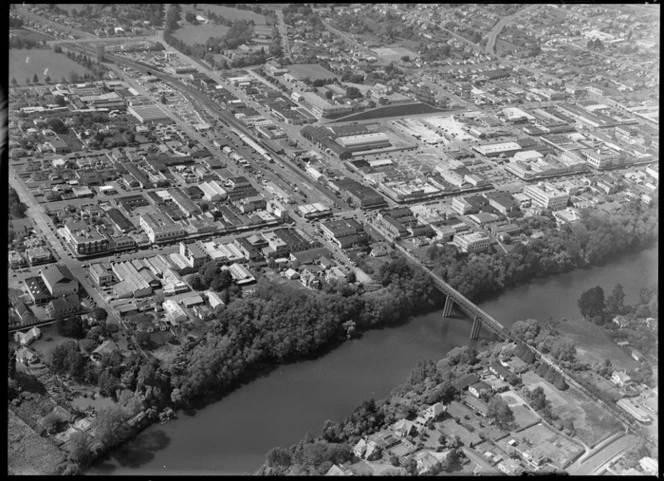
(454, 297)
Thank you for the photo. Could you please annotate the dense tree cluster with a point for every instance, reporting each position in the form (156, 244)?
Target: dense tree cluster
(598, 237)
(16, 207)
(500, 412)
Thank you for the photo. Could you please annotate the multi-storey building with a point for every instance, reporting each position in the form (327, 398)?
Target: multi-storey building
(473, 242)
(546, 195)
(160, 229)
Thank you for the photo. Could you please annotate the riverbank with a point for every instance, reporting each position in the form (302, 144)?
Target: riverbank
(480, 398)
(233, 435)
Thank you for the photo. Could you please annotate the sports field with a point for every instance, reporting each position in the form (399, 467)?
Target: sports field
(192, 34)
(25, 63)
(225, 12)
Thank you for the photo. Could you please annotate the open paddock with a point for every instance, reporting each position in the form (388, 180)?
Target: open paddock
(25, 63)
(532, 380)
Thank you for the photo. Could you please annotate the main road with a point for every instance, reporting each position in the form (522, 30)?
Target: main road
(45, 226)
(495, 31)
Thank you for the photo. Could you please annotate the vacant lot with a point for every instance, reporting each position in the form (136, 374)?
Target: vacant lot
(592, 422)
(552, 394)
(192, 34)
(594, 345)
(25, 63)
(28, 453)
(524, 417)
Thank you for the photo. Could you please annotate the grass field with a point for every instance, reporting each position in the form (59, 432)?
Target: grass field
(523, 416)
(28, 453)
(225, 12)
(192, 34)
(594, 345)
(25, 63)
(592, 422)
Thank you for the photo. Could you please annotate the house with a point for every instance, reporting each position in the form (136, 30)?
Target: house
(339, 471)
(466, 381)
(499, 370)
(291, 274)
(620, 378)
(365, 448)
(476, 404)
(26, 338)
(510, 467)
(404, 428)
(106, 347)
(637, 355)
(426, 460)
(26, 356)
(479, 388)
(432, 413)
(379, 250)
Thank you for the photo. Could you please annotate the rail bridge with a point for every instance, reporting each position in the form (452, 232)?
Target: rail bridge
(454, 297)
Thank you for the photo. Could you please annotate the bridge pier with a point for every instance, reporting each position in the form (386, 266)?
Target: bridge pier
(449, 303)
(477, 327)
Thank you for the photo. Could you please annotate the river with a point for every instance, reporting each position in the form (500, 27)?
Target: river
(233, 435)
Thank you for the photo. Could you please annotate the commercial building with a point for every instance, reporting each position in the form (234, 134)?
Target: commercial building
(149, 114)
(63, 306)
(193, 254)
(495, 150)
(160, 229)
(101, 275)
(356, 143)
(241, 274)
(212, 191)
(546, 195)
(85, 239)
(174, 312)
(473, 242)
(636, 412)
(59, 280)
(600, 158)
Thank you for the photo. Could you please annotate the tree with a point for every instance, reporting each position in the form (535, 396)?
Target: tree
(71, 327)
(108, 383)
(80, 452)
(525, 330)
(615, 302)
(52, 422)
(279, 457)
(14, 82)
(73, 76)
(563, 349)
(196, 282)
(110, 425)
(591, 303)
(35, 79)
(99, 314)
(537, 398)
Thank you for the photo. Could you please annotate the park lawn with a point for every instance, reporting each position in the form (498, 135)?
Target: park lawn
(225, 12)
(192, 34)
(594, 345)
(40, 59)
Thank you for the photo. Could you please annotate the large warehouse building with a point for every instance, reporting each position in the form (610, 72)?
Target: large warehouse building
(149, 114)
(355, 143)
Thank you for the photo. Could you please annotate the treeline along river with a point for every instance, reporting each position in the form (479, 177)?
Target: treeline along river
(233, 435)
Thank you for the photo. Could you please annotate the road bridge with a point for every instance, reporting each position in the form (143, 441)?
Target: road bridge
(454, 297)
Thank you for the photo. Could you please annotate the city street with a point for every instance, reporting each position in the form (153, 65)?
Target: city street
(43, 224)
